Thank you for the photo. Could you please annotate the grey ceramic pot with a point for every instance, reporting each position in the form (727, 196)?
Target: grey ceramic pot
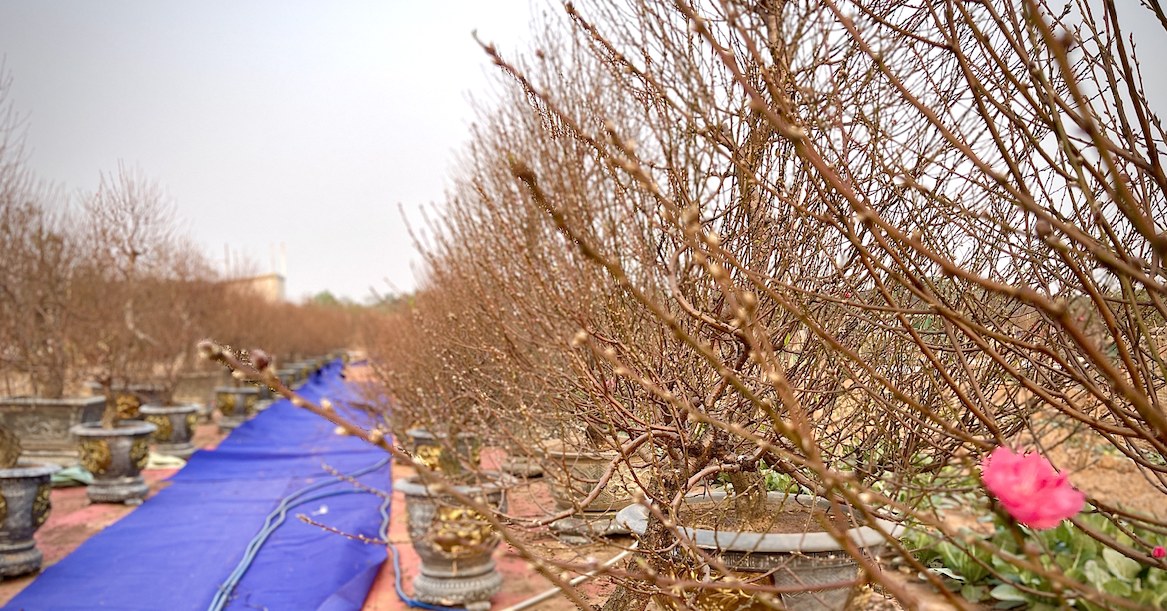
(116, 458)
(301, 370)
(287, 376)
(456, 461)
(176, 426)
(455, 544)
(24, 506)
(43, 425)
(805, 559)
(572, 473)
(236, 405)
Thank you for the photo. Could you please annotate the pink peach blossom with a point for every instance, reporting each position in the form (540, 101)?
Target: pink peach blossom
(1159, 552)
(1030, 489)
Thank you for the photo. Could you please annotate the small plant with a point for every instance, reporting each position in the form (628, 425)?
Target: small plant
(984, 576)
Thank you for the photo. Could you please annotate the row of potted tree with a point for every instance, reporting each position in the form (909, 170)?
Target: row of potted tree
(102, 299)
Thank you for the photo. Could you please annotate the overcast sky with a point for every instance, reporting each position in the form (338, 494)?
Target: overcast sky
(279, 121)
(268, 122)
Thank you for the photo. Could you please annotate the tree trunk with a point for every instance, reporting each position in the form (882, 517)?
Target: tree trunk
(625, 599)
(749, 496)
(9, 448)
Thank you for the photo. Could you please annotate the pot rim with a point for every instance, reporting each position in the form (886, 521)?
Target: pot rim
(28, 468)
(125, 428)
(178, 408)
(635, 517)
(234, 390)
(69, 401)
(412, 485)
(424, 433)
(558, 449)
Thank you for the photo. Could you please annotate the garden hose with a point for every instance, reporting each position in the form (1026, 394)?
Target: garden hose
(277, 517)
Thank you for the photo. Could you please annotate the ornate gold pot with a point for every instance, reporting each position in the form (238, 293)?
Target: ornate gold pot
(455, 544)
(176, 426)
(24, 506)
(116, 458)
(456, 460)
(236, 405)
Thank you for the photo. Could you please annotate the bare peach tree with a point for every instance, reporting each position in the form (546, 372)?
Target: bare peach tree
(128, 231)
(857, 244)
(863, 242)
(35, 312)
(931, 230)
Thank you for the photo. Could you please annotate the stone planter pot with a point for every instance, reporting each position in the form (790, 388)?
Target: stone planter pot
(116, 458)
(265, 392)
(573, 473)
(199, 387)
(434, 451)
(236, 405)
(301, 370)
(521, 465)
(176, 426)
(43, 425)
(287, 376)
(455, 544)
(129, 398)
(24, 507)
(799, 559)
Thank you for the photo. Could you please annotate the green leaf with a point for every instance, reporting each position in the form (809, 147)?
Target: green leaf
(965, 562)
(947, 573)
(974, 594)
(1095, 574)
(1117, 587)
(1122, 567)
(1008, 592)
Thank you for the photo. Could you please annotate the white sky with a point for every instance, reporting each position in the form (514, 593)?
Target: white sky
(266, 121)
(278, 121)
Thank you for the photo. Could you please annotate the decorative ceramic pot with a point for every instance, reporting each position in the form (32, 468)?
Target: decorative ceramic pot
(806, 559)
(573, 473)
(129, 398)
(301, 370)
(287, 376)
(455, 461)
(521, 465)
(116, 458)
(43, 425)
(455, 544)
(199, 387)
(24, 506)
(176, 426)
(236, 405)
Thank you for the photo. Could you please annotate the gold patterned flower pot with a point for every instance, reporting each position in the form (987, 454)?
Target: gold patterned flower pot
(176, 426)
(456, 461)
(572, 473)
(301, 371)
(287, 376)
(24, 506)
(235, 405)
(454, 542)
(116, 458)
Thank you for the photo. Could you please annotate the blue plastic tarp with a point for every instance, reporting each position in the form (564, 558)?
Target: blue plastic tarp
(174, 551)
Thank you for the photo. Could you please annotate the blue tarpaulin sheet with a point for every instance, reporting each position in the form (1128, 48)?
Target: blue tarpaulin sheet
(174, 551)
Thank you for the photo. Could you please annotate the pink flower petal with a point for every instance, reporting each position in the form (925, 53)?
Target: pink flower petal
(1030, 489)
